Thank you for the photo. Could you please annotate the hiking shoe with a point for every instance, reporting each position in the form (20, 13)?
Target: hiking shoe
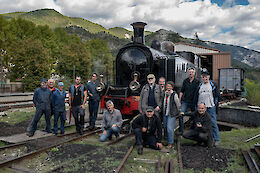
(217, 143)
(110, 137)
(170, 146)
(29, 134)
(140, 150)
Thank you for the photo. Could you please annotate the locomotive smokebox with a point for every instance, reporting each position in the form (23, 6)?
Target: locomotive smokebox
(138, 32)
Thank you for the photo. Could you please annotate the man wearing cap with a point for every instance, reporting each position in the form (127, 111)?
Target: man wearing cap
(111, 123)
(58, 102)
(77, 102)
(151, 95)
(147, 129)
(208, 93)
(41, 100)
(186, 96)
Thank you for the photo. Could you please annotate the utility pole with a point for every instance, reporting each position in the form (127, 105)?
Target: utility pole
(3, 52)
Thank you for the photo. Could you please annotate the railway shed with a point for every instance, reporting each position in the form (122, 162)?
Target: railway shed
(212, 59)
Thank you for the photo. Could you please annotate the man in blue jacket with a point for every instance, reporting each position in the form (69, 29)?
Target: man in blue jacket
(42, 102)
(94, 98)
(58, 102)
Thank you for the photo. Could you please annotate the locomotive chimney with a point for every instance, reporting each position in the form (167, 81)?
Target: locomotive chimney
(138, 32)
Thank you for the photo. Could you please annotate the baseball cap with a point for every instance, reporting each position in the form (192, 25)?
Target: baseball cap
(204, 71)
(150, 76)
(149, 109)
(61, 84)
(43, 80)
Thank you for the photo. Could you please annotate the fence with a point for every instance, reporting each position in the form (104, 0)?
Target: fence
(12, 88)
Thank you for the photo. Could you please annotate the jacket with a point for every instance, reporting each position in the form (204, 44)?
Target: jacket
(42, 99)
(108, 119)
(153, 125)
(72, 90)
(215, 92)
(58, 101)
(174, 105)
(158, 94)
(204, 120)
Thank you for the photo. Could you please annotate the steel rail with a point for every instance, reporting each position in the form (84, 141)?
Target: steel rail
(251, 163)
(119, 168)
(15, 160)
(179, 155)
(120, 139)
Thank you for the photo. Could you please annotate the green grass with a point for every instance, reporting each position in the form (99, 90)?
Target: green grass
(54, 19)
(14, 117)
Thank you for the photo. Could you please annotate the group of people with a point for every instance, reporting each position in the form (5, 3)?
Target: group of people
(159, 106)
(49, 101)
(160, 103)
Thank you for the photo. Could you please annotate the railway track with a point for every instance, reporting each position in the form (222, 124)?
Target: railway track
(250, 159)
(74, 137)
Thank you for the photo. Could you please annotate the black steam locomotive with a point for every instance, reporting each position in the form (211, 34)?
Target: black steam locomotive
(135, 61)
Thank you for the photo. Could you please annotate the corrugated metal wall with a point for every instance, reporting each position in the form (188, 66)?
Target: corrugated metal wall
(194, 49)
(220, 60)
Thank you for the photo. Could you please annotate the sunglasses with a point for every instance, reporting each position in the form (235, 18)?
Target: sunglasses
(150, 78)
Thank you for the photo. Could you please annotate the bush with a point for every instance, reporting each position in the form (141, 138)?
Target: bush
(253, 94)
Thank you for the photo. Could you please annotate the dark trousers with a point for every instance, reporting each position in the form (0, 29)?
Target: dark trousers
(57, 116)
(78, 114)
(38, 114)
(145, 139)
(93, 111)
(198, 136)
(184, 108)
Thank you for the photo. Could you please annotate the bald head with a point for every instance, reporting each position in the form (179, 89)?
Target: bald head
(202, 108)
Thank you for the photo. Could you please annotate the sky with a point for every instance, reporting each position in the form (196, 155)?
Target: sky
(234, 22)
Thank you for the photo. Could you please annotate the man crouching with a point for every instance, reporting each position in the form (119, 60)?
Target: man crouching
(111, 123)
(201, 129)
(147, 129)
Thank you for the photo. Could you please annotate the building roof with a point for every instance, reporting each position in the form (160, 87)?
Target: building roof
(194, 48)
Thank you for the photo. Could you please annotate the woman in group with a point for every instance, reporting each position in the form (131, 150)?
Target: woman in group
(171, 108)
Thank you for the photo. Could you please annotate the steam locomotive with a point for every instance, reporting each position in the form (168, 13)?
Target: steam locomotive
(135, 61)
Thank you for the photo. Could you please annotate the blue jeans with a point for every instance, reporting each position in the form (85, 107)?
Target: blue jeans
(93, 111)
(184, 107)
(38, 114)
(110, 131)
(169, 123)
(212, 113)
(58, 115)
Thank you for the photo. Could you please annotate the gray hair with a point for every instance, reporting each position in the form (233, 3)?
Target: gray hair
(51, 80)
(109, 102)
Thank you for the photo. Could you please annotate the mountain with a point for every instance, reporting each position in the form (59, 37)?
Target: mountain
(118, 36)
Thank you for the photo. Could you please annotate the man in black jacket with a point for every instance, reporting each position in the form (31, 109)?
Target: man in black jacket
(147, 129)
(201, 129)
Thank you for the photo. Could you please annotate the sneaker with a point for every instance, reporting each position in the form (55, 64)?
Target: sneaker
(110, 137)
(170, 146)
(62, 133)
(217, 143)
(140, 150)
(29, 134)
(81, 132)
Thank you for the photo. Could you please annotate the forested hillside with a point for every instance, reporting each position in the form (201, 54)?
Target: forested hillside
(32, 52)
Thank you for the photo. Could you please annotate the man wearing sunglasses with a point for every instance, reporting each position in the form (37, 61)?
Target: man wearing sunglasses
(151, 95)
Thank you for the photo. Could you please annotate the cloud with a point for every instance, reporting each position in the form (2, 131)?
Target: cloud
(231, 23)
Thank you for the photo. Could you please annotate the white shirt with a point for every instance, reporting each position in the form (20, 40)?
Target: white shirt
(206, 95)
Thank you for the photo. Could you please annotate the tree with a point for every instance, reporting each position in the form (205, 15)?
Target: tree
(74, 54)
(101, 58)
(29, 61)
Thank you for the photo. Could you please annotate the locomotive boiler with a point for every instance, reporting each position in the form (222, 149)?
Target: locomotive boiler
(135, 61)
